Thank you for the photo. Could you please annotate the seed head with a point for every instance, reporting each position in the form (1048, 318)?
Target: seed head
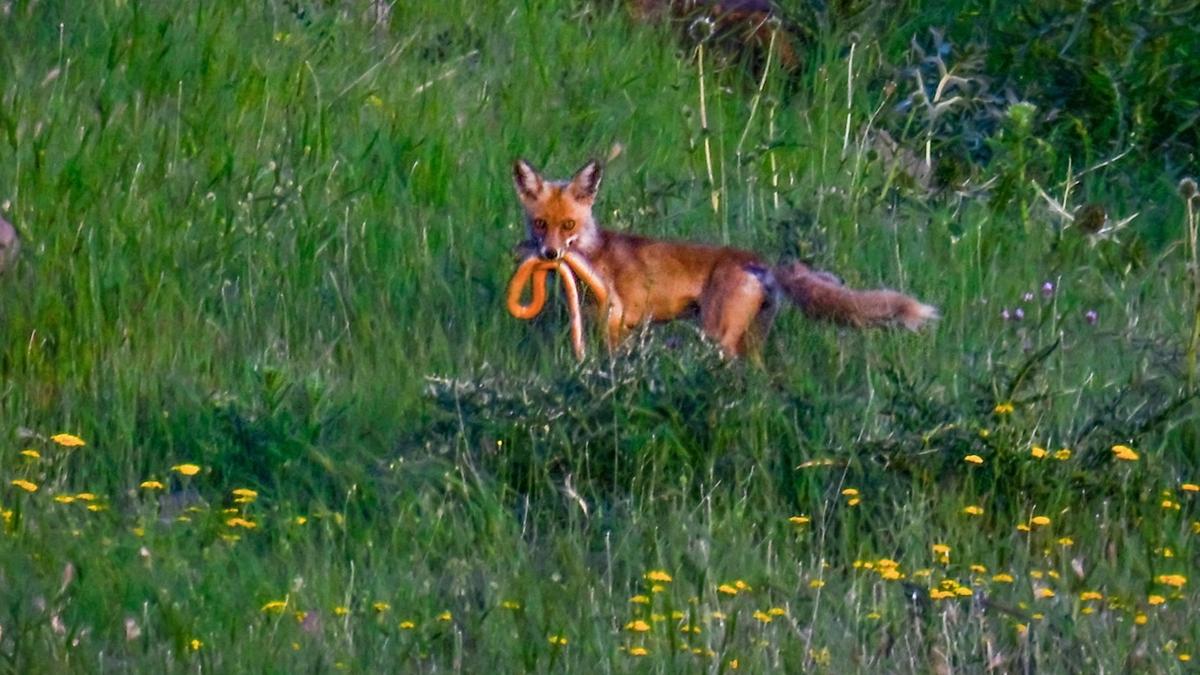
(1090, 218)
(1187, 188)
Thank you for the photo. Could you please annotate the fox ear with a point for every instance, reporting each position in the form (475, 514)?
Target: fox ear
(586, 182)
(527, 180)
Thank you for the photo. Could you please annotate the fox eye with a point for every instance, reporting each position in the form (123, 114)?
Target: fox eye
(539, 224)
(568, 225)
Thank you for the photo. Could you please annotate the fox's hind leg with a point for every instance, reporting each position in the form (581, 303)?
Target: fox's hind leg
(730, 304)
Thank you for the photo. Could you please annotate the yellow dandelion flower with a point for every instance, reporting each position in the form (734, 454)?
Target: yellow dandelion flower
(1040, 521)
(241, 522)
(1063, 454)
(64, 499)
(742, 585)
(1140, 619)
(850, 492)
(558, 640)
(973, 459)
(299, 520)
(799, 520)
(1088, 610)
(1038, 452)
(1156, 599)
(1185, 657)
(407, 625)
(719, 616)
(1168, 504)
(640, 600)
(151, 485)
(195, 645)
(777, 611)
(445, 616)
(874, 616)
(186, 469)
(984, 433)
(1065, 541)
(24, 485)
(31, 454)
(638, 651)
(1091, 595)
(978, 569)
(940, 549)
(96, 507)
(1124, 452)
(816, 583)
(276, 606)
(963, 591)
(86, 496)
(511, 604)
(1022, 527)
(1003, 578)
(1003, 408)
(763, 616)
(939, 594)
(1190, 487)
(1176, 580)
(658, 576)
(637, 626)
(1044, 593)
(68, 440)
(341, 610)
(380, 606)
(657, 588)
(1168, 552)
(973, 510)
(727, 589)
(853, 501)
(733, 664)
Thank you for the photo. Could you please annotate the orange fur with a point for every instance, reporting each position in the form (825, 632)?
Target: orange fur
(655, 280)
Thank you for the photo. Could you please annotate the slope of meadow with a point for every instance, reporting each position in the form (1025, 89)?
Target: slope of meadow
(265, 246)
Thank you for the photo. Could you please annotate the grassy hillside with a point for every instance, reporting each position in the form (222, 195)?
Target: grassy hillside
(264, 253)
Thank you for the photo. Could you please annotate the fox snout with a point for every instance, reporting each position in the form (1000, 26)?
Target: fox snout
(550, 252)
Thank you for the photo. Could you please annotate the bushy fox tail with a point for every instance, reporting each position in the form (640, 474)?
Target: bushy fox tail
(822, 296)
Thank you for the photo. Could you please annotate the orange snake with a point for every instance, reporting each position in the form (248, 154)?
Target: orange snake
(570, 265)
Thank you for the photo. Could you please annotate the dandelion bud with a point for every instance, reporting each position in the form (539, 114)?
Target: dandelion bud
(1187, 188)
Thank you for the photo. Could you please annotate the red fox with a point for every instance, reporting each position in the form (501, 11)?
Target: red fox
(647, 279)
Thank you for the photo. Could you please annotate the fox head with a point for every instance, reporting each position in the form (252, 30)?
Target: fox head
(558, 214)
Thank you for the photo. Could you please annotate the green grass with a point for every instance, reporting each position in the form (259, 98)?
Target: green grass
(273, 242)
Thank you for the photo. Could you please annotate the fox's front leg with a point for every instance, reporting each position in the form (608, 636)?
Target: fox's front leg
(615, 321)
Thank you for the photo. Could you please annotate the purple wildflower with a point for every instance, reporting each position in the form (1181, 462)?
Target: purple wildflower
(1027, 297)
(1004, 314)
(1018, 314)
(1091, 317)
(1047, 289)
